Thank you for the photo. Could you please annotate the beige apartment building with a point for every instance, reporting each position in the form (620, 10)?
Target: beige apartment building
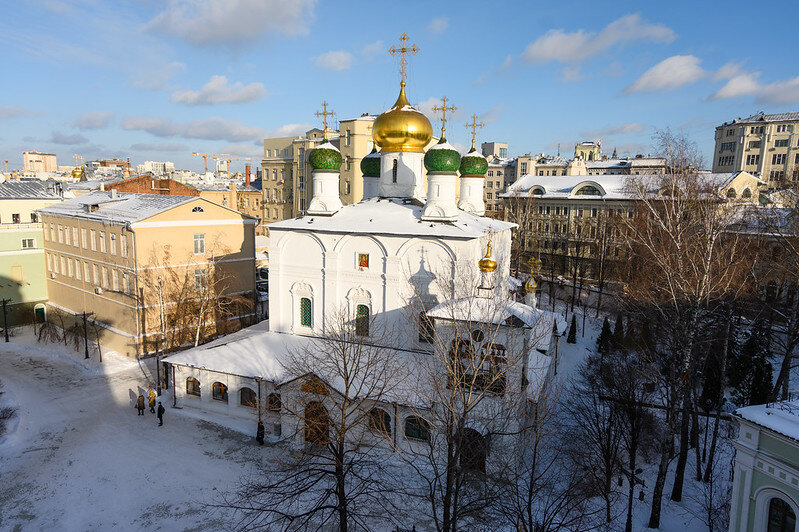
(126, 258)
(36, 161)
(764, 145)
(567, 221)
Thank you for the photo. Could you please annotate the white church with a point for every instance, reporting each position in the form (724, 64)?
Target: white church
(414, 265)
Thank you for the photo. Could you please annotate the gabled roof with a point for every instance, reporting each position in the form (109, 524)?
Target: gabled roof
(393, 216)
(124, 208)
(30, 189)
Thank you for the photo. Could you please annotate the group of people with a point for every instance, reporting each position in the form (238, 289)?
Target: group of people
(151, 400)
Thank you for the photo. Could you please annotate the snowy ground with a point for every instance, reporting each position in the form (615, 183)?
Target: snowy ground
(77, 457)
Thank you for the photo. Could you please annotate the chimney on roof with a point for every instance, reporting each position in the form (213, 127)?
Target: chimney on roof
(247, 173)
(102, 186)
(113, 193)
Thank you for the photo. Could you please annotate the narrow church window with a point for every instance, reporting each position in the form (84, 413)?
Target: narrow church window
(379, 421)
(274, 402)
(394, 172)
(417, 429)
(247, 397)
(362, 320)
(426, 329)
(219, 392)
(306, 319)
(193, 386)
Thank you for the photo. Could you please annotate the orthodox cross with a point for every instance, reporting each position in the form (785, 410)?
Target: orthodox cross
(402, 50)
(324, 113)
(443, 108)
(474, 125)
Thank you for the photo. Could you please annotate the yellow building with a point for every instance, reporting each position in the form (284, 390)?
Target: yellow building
(766, 146)
(129, 259)
(36, 161)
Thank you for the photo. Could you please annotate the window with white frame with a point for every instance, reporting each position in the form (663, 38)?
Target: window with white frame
(123, 244)
(102, 242)
(77, 269)
(199, 280)
(75, 237)
(63, 266)
(87, 272)
(199, 243)
(28, 243)
(83, 238)
(105, 277)
(115, 280)
(113, 243)
(93, 240)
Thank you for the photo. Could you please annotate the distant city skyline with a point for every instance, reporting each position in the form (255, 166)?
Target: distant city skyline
(160, 80)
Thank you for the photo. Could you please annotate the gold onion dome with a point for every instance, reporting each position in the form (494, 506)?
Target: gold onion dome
(402, 128)
(487, 264)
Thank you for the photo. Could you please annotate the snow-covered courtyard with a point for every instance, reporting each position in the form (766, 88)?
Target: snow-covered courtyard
(77, 457)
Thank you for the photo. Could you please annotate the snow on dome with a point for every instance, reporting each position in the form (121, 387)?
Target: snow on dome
(442, 146)
(474, 154)
(326, 145)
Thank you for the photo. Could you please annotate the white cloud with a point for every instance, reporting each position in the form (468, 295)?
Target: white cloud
(209, 129)
(571, 74)
(93, 120)
(730, 70)
(217, 90)
(166, 146)
(492, 115)
(609, 131)
(671, 73)
(558, 45)
(232, 22)
(10, 111)
(158, 78)
(743, 84)
(438, 25)
(62, 138)
(289, 130)
(337, 60)
(780, 92)
(245, 150)
(372, 50)
(748, 84)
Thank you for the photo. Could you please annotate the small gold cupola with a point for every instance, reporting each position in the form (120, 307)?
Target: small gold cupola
(487, 264)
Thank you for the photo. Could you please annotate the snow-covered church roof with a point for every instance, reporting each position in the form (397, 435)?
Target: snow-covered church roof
(393, 216)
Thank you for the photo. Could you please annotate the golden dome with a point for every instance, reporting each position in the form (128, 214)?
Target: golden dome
(487, 264)
(77, 173)
(402, 128)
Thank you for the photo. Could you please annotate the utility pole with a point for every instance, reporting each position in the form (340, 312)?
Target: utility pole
(157, 368)
(5, 317)
(163, 333)
(86, 333)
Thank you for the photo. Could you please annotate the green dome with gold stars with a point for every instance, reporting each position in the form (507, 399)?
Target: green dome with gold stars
(473, 164)
(325, 157)
(442, 158)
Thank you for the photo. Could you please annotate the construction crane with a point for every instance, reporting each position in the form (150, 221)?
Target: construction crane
(205, 157)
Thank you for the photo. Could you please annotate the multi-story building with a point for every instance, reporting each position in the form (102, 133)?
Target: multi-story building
(567, 221)
(588, 150)
(500, 174)
(245, 198)
(22, 273)
(106, 254)
(763, 145)
(36, 161)
(156, 168)
(495, 149)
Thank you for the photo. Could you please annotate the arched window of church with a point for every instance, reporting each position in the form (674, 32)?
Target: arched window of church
(362, 320)
(781, 517)
(417, 428)
(193, 386)
(746, 194)
(247, 397)
(219, 392)
(379, 421)
(394, 172)
(731, 193)
(306, 318)
(274, 402)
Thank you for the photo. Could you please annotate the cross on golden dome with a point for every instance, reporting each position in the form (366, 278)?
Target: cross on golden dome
(474, 125)
(443, 108)
(324, 113)
(402, 50)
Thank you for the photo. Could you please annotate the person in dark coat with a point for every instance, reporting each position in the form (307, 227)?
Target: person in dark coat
(160, 414)
(259, 435)
(140, 404)
(151, 401)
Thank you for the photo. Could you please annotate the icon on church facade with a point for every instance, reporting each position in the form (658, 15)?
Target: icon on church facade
(363, 260)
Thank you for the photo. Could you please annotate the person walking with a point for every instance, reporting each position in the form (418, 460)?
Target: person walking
(259, 434)
(160, 414)
(151, 401)
(140, 404)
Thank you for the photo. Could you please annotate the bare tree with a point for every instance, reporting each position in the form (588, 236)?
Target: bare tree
(687, 263)
(336, 477)
(519, 208)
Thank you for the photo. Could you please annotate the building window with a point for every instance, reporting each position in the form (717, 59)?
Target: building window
(317, 424)
(77, 269)
(75, 237)
(197, 209)
(115, 280)
(781, 143)
(306, 319)
(247, 397)
(102, 242)
(124, 245)
(362, 320)
(60, 232)
(379, 421)
(427, 330)
(199, 244)
(417, 428)
(349, 139)
(105, 277)
(96, 274)
(219, 392)
(66, 236)
(274, 403)
(49, 262)
(778, 158)
(753, 159)
(394, 172)
(489, 184)
(192, 386)
(70, 267)
(746, 194)
(781, 517)
(83, 238)
(113, 244)
(28, 243)
(126, 283)
(727, 146)
(94, 240)
(730, 132)
(199, 280)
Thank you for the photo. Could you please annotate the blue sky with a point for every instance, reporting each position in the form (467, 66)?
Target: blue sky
(157, 80)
